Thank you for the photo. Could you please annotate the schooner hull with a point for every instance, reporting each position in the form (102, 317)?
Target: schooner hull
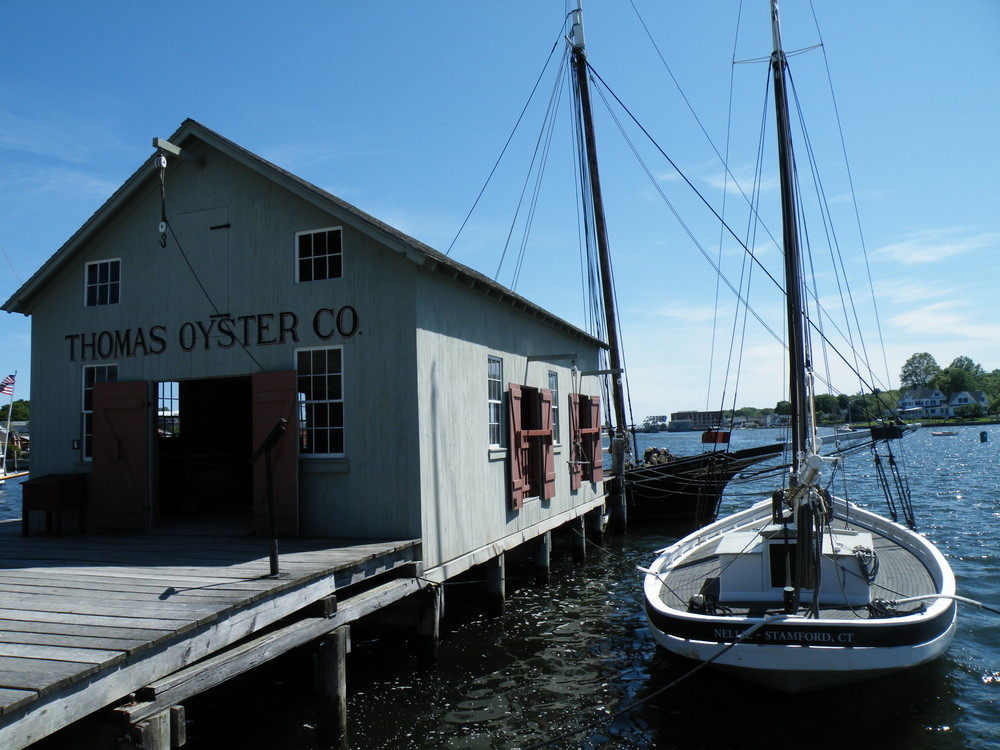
(688, 490)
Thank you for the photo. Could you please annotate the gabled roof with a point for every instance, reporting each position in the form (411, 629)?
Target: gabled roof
(978, 396)
(190, 131)
(921, 392)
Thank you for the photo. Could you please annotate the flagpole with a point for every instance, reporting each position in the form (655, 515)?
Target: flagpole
(10, 412)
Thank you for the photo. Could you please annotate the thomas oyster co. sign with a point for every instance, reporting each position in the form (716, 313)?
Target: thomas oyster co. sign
(217, 332)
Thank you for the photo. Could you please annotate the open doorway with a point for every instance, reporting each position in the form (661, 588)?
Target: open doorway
(204, 436)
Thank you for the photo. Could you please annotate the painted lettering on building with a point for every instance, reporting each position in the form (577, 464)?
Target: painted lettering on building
(216, 332)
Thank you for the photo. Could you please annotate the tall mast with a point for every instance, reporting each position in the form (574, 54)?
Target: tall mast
(617, 505)
(600, 225)
(793, 260)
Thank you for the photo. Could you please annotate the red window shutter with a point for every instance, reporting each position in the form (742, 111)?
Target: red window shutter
(518, 451)
(576, 443)
(548, 488)
(596, 455)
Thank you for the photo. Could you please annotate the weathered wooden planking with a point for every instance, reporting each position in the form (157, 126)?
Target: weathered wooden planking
(42, 674)
(217, 669)
(29, 615)
(11, 700)
(75, 629)
(147, 582)
(75, 640)
(150, 604)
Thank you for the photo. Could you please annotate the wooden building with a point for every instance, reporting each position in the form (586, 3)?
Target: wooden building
(215, 294)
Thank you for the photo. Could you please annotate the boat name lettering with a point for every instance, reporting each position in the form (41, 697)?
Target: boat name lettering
(217, 332)
(783, 636)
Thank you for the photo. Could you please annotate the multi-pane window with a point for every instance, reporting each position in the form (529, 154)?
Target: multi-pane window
(168, 410)
(93, 374)
(554, 387)
(321, 401)
(319, 255)
(102, 283)
(494, 389)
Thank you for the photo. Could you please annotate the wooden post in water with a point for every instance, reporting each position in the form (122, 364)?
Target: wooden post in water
(429, 625)
(543, 559)
(578, 527)
(153, 733)
(331, 682)
(496, 585)
(595, 526)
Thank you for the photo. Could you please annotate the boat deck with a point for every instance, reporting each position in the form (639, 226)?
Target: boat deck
(87, 620)
(900, 575)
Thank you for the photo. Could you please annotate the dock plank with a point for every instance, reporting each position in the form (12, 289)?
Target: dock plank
(85, 621)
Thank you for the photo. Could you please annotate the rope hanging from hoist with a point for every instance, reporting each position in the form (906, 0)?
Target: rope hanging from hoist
(161, 165)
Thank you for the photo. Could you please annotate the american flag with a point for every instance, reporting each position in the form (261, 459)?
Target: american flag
(7, 386)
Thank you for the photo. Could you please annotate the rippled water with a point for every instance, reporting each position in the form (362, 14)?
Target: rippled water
(571, 665)
(574, 660)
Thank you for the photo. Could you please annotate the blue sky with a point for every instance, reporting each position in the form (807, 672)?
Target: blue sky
(402, 108)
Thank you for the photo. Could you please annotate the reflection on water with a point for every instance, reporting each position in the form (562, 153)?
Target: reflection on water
(574, 658)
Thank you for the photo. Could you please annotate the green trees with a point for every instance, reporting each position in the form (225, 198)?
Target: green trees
(919, 370)
(22, 412)
(963, 374)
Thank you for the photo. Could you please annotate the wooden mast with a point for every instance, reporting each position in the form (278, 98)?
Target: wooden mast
(793, 261)
(618, 430)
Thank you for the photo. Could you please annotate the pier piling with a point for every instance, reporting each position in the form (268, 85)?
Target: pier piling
(579, 536)
(331, 680)
(429, 625)
(543, 559)
(496, 585)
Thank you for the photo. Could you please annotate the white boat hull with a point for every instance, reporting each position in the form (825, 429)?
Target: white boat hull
(791, 652)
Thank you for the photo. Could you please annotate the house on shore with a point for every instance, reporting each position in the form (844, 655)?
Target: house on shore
(931, 403)
(215, 295)
(923, 403)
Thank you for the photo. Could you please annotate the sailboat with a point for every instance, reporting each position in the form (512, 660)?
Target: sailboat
(804, 590)
(684, 489)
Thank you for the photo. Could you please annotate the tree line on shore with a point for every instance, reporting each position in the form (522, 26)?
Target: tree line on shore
(920, 371)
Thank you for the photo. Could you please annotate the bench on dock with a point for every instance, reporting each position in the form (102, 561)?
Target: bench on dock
(53, 493)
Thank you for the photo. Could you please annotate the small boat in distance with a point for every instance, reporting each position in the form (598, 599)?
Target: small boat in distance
(944, 433)
(803, 590)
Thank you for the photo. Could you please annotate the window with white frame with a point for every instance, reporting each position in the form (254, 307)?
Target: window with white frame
(319, 254)
(554, 387)
(321, 401)
(494, 389)
(168, 409)
(102, 283)
(92, 374)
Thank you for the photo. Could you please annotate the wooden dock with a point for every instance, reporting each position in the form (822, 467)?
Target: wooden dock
(143, 621)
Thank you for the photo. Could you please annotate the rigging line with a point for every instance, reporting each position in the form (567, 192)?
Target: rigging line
(9, 263)
(585, 211)
(841, 269)
(836, 256)
(545, 139)
(509, 139)
(687, 229)
(204, 291)
(711, 143)
(610, 718)
(793, 53)
(536, 159)
(722, 234)
(688, 182)
(854, 197)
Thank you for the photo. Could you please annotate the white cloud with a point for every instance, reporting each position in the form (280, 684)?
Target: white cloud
(934, 245)
(947, 318)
